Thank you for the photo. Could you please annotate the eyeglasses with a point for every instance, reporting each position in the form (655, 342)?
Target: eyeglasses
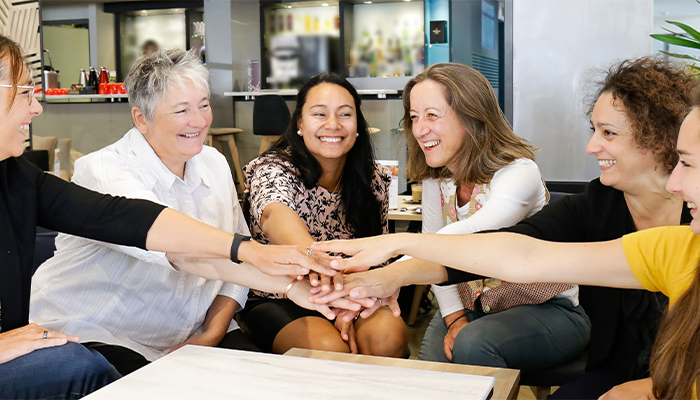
(29, 94)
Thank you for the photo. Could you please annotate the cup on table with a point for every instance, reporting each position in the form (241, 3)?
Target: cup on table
(114, 88)
(103, 89)
(121, 88)
(417, 192)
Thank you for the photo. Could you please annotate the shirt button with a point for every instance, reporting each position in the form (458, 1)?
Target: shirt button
(189, 326)
(196, 295)
(179, 293)
(487, 309)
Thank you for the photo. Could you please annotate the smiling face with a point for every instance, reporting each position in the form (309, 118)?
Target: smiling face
(685, 179)
(328, 123)
(622, 163)
(435, 125)
(180, 125)
(18, 115)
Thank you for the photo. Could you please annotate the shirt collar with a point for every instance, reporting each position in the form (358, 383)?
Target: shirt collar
(161, 174)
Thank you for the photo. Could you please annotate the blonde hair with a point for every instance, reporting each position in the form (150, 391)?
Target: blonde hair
(491, 143)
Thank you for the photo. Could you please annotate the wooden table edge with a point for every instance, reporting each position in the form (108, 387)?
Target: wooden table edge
(503, 375)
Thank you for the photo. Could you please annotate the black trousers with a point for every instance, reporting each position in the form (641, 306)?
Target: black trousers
(127, 361)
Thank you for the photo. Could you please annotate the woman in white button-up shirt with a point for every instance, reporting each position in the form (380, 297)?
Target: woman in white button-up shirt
(129, 304)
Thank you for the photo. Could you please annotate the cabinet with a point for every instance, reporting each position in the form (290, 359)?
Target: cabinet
(377, 46)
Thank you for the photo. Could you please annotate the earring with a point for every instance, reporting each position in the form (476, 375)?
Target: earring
(357, 134)
(299, 132)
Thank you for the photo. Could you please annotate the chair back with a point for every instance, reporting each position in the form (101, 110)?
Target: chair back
(556, 196)
(271, 115)
(40, 158)
(44, 248)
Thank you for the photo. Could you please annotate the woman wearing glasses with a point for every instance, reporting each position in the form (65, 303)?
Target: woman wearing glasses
(40, 363)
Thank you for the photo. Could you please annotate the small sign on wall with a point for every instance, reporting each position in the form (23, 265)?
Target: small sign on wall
(438, 31)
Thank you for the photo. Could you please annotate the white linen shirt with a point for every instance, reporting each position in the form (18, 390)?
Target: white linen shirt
(517, 192)
(124, 295)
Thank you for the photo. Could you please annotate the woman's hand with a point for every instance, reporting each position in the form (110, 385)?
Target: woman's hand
(365, 252)
(345, 324)
(282, 260)
(300, 292)
(634, 390)
(24, 340)
(455, 321)
(323, 282)
(378, 283)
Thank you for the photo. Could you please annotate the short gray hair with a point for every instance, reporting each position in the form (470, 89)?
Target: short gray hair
(152, 75)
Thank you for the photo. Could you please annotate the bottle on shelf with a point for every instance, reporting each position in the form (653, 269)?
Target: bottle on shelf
(83, 78)
(93, 80)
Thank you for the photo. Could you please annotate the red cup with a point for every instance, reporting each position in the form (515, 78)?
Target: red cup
(122, 88)
(63, 91)
(114, 88)
(50, 92)
(104, 89)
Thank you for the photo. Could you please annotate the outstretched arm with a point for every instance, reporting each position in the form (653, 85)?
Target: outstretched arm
(175, 232)
(506, 256)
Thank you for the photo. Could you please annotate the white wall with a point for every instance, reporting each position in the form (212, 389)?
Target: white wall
(555, 43)
(101, 28)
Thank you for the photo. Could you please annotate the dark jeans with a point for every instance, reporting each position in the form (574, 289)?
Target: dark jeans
(127, 361)
(527, 337)
(70, 371)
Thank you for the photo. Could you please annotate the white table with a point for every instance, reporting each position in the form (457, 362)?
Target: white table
(195, 372)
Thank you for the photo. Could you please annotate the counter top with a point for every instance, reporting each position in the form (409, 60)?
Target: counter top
(380, 93)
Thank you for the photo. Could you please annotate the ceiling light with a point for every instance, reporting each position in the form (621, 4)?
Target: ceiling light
(289, 6)
(368, 2)
(325, 4)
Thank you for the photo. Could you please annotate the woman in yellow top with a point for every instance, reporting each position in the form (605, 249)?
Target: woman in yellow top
(661, 259)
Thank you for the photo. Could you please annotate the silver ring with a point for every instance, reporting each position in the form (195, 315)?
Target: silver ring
(380, 301)
(309, 252)
(46, 335)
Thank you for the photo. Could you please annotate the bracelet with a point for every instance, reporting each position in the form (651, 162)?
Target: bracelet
(453, 322)
(289, 287)
(237, 240)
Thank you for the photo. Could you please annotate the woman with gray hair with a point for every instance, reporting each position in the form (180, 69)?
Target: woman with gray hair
(132, 305)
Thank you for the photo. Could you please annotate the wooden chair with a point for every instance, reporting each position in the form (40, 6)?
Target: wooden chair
(218, 137)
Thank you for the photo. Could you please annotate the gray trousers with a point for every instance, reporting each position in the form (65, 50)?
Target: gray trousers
(528, 337)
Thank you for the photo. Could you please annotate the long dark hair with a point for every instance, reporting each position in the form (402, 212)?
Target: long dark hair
(363, 210)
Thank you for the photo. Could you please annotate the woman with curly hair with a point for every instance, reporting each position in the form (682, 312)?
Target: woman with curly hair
(634, 123)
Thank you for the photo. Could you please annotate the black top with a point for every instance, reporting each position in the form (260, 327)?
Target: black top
(30, 197)
(623, 321)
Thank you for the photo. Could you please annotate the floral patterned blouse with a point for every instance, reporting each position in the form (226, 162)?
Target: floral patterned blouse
(269, 179)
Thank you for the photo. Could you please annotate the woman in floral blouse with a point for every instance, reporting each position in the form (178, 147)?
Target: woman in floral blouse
(319, 182)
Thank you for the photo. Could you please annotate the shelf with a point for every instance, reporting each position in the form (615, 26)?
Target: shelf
(380, 93)
(68, 97)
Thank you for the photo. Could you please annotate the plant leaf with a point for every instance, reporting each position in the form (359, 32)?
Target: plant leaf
(677, 55)
(692, 32)
(676, 41)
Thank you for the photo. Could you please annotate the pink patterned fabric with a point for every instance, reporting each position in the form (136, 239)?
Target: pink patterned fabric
(268, 179)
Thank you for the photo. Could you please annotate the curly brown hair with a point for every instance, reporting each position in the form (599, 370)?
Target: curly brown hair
(655, 94)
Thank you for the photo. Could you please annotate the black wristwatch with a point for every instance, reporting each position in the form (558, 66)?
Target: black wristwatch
(237, 240)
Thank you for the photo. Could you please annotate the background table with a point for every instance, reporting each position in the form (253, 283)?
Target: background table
(196, 372)
(395, 214)
(506, 379)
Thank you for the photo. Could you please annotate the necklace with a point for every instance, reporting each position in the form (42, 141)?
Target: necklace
(335, 190)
